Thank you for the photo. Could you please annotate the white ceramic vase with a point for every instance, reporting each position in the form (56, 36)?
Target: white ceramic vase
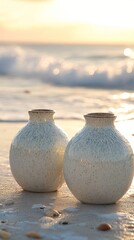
(98, 162)
(36, 153)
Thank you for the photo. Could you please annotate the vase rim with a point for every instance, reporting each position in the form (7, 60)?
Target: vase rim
(100, 115)
(41, 111)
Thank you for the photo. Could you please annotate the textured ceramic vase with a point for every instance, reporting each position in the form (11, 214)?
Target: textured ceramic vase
(36, 153)
(98, 162)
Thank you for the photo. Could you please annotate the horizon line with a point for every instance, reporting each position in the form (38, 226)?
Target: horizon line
(66, 43)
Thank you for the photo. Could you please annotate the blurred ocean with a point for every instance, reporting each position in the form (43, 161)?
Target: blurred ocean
(71, 79)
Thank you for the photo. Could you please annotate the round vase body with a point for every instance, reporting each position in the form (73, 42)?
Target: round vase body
(98, 161)
(36, 153)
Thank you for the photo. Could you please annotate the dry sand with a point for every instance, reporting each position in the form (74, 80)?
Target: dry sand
(22, 212)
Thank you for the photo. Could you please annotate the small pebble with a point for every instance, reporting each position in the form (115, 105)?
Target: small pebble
(132, 195)
(52, 213)
(4, 234)
(104, 227)
(130, 226)
(2, 221)
(38, 205)
(64, 223)
(26, 91)
(33, 235)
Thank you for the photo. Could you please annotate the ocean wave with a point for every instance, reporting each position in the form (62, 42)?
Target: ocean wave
(96, 71)
(97, 57)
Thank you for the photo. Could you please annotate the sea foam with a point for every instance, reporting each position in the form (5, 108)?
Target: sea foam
(75, 70)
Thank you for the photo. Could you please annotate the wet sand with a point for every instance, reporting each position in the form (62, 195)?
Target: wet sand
(22, 212)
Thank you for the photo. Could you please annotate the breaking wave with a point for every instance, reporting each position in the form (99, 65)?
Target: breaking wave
(96, 71)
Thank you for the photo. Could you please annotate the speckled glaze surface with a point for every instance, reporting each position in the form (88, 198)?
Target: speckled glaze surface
(36, 153)
(98, 161)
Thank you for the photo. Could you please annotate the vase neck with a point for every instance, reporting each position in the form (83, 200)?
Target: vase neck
(41, 115)
(100, 119)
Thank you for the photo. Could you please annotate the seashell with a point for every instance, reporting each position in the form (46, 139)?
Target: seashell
(33, 235)
(51, 204)
(46, 220)
(4, 234)
(104, 227)
(52, 213)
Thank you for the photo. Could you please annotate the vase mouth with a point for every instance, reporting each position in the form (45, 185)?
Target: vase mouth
(99, 115)
(41, 111)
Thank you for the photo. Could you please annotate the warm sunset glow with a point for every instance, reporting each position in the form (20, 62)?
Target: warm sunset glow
(67, 21)
(107, 13)
(129, 53)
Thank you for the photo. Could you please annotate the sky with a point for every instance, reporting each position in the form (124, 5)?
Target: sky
(67, 21)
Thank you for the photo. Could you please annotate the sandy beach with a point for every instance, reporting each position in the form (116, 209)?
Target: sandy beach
(70, 57)
(23, 212)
